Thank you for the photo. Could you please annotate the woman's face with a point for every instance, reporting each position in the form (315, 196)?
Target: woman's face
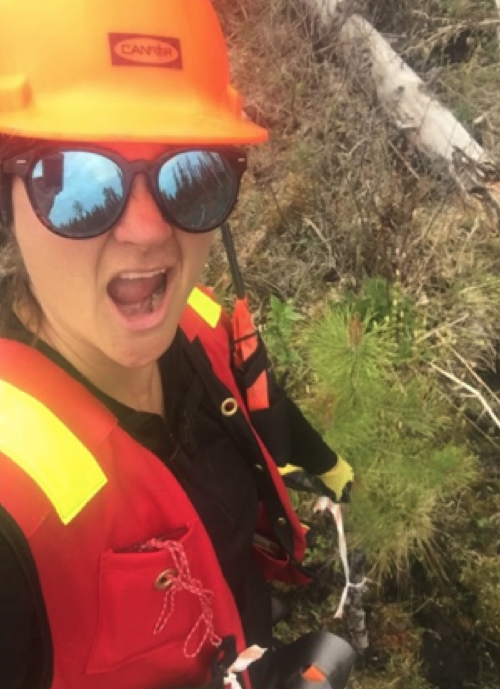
(118, 297)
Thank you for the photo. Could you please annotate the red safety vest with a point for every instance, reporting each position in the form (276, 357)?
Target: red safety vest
(134, 594)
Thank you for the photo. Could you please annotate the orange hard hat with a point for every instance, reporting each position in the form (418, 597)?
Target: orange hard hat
(118, 70)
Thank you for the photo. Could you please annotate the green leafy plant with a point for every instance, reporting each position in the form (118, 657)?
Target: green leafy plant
(381, 302)
(278, 334)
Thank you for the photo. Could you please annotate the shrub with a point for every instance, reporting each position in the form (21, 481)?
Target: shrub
(392, 423)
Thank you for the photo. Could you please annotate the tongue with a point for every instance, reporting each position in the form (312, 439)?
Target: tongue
(126, 292)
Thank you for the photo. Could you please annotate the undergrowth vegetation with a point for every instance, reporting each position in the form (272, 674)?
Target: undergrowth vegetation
(393, 424)
(376, 283)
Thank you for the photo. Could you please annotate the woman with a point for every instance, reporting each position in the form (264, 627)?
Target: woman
(132, 482)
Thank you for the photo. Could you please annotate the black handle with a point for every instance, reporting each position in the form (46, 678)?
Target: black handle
(227, 238)
(330, 654)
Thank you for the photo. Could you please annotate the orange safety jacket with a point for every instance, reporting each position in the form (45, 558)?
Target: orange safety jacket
(133, 592)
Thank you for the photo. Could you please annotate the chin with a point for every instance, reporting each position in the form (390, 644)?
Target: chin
(140, 355)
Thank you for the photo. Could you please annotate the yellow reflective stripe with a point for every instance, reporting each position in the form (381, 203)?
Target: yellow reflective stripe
(205, 307)
(40, 444)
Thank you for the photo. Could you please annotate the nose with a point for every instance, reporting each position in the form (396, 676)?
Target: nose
(141, 222)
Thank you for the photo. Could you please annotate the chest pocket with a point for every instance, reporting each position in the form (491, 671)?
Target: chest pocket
(153, 605)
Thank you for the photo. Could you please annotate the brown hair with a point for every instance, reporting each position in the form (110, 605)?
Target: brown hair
(14, 280)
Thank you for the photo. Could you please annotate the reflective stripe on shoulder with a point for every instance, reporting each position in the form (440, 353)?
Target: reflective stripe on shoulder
(42, 446)
(205, 307)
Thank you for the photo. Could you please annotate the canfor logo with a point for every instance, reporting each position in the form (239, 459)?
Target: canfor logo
(145, 51)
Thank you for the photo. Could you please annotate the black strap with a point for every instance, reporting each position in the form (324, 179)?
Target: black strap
(244, 438)
(258, 362)
(282, 426)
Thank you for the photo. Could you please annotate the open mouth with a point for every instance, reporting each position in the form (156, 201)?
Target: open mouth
(138, 293)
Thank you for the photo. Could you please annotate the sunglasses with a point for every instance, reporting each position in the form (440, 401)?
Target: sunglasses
(81, 193)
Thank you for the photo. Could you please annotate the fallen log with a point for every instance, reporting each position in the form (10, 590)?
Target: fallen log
(431, 127)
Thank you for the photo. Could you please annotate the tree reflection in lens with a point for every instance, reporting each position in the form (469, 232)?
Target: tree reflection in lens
(90, 223)
(197, 188)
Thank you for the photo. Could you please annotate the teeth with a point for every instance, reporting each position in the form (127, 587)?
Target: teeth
(156, 299)
(146, 274)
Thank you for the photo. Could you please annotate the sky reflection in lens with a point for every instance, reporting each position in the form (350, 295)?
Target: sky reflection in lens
(72, 186)
(80, 191)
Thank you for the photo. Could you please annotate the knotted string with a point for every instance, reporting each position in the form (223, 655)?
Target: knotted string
(183, 581)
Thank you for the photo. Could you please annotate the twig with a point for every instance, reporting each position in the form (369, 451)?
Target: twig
(478, 378)
(437, 329)
(469, 237)
(404, 161)
(320, 235)
(474, 425)
(475, 393)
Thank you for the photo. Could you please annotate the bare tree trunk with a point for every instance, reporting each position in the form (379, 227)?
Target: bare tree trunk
(431, 127)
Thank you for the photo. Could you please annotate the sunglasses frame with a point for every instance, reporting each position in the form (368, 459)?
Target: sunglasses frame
(23, 164)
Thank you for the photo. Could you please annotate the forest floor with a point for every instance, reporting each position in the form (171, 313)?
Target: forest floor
(337, 199)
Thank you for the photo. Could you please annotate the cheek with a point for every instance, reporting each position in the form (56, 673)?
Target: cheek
(53, 264)
(195, 251)
(28, 230)
(22, 213)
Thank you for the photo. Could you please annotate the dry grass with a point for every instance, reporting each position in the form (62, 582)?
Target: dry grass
(339, 195)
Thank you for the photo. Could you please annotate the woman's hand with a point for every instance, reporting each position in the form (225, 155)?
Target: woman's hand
(336, 482)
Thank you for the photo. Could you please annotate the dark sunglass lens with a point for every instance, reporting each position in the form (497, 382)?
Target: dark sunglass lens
(78, 192)
(198, 189)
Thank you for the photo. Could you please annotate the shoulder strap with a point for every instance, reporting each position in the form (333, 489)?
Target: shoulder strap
(42, 452)
(209, 350)
(240, 430)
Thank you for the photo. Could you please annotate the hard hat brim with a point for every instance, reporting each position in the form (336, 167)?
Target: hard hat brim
(148, 122)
